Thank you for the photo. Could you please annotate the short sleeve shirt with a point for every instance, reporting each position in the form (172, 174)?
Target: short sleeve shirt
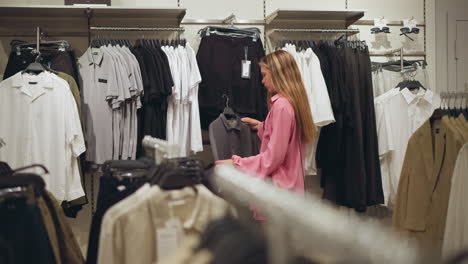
(45, 129)
(99, 89)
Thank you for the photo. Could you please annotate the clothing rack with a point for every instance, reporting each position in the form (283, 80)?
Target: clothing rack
(311, 224)
(453, 94)
(181, 29)
(354, 31)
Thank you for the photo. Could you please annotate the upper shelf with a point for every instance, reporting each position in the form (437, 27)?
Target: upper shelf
(295, 15)
(97, 12)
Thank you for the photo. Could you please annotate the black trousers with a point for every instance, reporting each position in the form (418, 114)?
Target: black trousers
(62, 61)
(220, 63)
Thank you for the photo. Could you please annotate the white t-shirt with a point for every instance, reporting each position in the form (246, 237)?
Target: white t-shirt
(41, 125)
(398, 115)
(196, 143)
(317, 93)
(183, 117)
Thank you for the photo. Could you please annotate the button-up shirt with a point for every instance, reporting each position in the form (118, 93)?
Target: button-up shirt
(231, 137)
(282, 152)
(399, 114)
(40, 125)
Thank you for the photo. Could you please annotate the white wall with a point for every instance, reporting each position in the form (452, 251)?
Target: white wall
(445, 9)
(254, 10)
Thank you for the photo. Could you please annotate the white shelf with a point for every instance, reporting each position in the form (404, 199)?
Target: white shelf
(295, 15)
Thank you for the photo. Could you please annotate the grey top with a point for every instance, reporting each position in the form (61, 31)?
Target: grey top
(232, 137)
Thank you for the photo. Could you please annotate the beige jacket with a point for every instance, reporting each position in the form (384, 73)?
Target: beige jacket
(424, 188)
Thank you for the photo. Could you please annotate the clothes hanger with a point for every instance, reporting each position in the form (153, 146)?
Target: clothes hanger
(13, 193)
(179, 173)
(228, 112)
(465, 110)
(35, 67)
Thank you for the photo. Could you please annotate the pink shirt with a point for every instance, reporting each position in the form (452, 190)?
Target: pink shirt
(282, 153)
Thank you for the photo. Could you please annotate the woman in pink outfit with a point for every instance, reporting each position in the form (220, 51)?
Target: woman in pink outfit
(287, 128)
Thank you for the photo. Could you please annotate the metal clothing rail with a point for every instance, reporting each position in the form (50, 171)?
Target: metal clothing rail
(405, 54)
(316, 30)
(364, 22)
(135, 29)
(296, 225)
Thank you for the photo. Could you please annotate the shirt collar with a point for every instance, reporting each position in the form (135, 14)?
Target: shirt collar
(231, 125)
(96, 59)
(274, 98)
(424, 94)
(43, 79)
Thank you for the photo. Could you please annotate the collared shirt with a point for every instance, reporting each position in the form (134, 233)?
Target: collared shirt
(282, 151)
(317, 94)
(45, 129)
(230, 137)
(153, 208)
(99, 90)
(183, 116)
(399, 114)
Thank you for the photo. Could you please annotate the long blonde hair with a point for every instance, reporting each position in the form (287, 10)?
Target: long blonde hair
(287, 81)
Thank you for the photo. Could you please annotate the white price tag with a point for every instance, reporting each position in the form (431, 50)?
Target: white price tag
(246, 69)
(169, 238)
(166, 242)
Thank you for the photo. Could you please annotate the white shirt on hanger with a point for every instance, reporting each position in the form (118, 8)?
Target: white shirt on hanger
(317, 94)
(45, 129)
(196, 143)
(456, 230)
(185, 107)
(170, 124)
(399, 114)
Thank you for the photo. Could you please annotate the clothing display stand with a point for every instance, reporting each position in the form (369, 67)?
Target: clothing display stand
(310, 224)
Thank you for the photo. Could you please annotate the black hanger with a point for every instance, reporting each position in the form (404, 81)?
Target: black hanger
(35, 67)
(179, 173)
(10, 172)
(228, 111)
(13, 193)
(5, 168)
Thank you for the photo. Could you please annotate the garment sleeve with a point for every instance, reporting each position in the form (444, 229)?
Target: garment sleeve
(260, 129)
(384, 131)
(321, 111)
(265, 163)
(413, 196)
(75, 142)
(74, 133)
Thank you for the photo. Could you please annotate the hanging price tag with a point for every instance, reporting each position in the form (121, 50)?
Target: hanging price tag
(166, 242)
(169, 238)
(245, 73)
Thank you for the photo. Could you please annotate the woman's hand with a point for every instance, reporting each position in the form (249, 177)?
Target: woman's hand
(253, 123)
(224, 162)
